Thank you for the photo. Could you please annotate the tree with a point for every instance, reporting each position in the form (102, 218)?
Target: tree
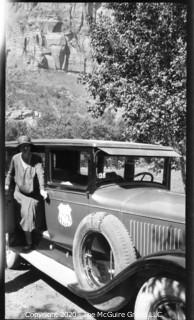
(141, 69)
(15, 128)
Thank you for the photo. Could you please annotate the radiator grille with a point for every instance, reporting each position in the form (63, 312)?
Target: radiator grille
(150, 238)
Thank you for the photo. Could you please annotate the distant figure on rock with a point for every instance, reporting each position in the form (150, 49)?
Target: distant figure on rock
(37, 39)
(43, 42)
(64, 55)
(43, 63)
(26, 42)
(60, 53)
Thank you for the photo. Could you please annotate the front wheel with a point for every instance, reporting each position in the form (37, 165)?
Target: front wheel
(160, 298)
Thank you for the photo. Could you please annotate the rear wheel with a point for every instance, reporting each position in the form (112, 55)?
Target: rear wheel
(160, 298)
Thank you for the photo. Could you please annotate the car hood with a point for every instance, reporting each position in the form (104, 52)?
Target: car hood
(144, 201)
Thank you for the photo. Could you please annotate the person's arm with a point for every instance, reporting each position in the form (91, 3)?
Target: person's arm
(10, 175)
(40, 175)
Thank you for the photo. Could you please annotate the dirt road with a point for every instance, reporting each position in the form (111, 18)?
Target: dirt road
(29, 294)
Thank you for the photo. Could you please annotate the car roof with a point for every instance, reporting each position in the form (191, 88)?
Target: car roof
(108, 146)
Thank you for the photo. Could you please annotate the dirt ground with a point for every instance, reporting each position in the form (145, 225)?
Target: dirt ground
(29, 294)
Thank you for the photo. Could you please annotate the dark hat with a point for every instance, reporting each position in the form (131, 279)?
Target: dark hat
(24, 140)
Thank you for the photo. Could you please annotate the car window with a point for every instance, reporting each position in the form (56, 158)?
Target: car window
(130, 169)
(69, 168)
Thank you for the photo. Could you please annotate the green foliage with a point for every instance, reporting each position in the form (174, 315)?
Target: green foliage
(75, 125)
(141, 69)
(62, 105)
(15, 128)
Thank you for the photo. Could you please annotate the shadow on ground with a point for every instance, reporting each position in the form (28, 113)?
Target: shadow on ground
(23, 280)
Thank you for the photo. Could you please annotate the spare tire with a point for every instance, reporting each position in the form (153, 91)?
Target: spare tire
(102, 248)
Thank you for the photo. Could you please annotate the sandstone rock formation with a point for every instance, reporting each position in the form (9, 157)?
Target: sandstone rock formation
(33, 28)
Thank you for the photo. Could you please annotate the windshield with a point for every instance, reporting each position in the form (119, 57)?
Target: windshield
(131, 169)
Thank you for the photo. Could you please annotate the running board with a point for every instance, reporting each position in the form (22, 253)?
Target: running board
(50, 267)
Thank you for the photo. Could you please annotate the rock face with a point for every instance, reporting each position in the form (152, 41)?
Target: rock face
(34, 28)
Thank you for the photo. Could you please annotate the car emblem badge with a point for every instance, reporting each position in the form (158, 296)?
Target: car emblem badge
(64, 215)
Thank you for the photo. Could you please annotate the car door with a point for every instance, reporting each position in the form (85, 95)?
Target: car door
(10, 217)
(67, 190)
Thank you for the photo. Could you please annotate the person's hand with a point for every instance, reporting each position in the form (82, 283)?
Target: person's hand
(44, 193)
(6, 187)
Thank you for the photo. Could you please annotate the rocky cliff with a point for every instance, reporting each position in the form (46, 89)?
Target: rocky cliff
(32, 29)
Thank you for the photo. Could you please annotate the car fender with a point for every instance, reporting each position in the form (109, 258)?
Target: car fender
(128, 282)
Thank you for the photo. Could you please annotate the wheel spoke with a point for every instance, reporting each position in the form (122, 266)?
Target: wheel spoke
(170, 311)
(167, 314)
(97, 267)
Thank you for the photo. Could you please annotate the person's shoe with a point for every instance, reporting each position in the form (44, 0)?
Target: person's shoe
(27, 248)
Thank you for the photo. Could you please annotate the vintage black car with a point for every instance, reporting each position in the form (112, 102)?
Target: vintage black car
(111, 228)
